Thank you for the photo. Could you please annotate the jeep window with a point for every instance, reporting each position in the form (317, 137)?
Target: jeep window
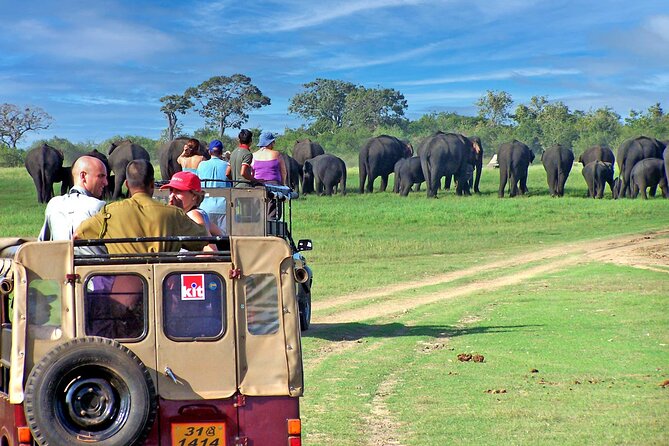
(247, 210)
(115, 305)
(193, 306)
(262, 304)
(44, 316)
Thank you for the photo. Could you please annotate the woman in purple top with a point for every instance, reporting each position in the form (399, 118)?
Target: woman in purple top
(268, 165)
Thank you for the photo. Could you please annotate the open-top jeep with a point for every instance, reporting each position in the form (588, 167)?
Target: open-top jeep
(167, 348)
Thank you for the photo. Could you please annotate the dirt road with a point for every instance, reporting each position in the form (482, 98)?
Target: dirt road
(648, 250)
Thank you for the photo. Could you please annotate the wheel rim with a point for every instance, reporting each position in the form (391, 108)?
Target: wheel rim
(92, 402)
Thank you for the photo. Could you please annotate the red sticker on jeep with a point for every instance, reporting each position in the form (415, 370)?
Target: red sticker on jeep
(192, 287)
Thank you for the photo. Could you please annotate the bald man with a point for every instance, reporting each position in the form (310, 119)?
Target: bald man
(64, 213)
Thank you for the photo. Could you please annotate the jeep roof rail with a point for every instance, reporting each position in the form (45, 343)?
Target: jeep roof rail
(222, 242)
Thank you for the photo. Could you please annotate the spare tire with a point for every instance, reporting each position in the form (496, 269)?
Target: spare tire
(90, 390)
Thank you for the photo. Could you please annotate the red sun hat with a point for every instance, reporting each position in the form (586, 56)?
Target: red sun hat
(183, 180)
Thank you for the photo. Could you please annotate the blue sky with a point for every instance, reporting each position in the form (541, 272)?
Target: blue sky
(99, 67)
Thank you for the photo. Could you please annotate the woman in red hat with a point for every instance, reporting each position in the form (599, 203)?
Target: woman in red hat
(186, 193)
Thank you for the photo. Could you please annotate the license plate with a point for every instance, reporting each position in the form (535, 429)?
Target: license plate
(198, 434)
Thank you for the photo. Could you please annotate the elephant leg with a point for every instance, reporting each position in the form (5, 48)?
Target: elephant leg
(513, 185)
(447, 182)
(653, 190)
(118, 186)
(370, 182)
(384, 183)
(523, 184)
(329, 188)
(502, 183)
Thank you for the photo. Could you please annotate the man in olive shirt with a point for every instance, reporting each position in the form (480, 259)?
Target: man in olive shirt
(141, 216)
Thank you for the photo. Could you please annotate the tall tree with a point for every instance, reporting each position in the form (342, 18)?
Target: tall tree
(16, 122)
(371, 107)
(557, 125)
(173, 104)
(224, 101)
(494, 107)
(323, 101)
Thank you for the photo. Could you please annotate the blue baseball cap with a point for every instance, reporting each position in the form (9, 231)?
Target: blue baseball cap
(216, 145)
(266, 138)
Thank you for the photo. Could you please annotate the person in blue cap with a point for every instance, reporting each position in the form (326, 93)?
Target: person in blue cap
(268, 165)
(212, 172)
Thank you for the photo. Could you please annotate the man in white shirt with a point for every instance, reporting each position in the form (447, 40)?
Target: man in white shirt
(64, 213)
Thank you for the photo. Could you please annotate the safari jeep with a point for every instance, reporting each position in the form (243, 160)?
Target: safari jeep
(178, 349)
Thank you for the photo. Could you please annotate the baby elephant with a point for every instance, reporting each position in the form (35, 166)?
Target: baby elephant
(646, 173)
(328, 171)
(408, 172)
(597, 175)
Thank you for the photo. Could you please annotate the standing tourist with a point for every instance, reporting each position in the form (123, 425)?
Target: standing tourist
(64, 213)
(240, 170)
(190, 158)
(212, 172)
(268, 165)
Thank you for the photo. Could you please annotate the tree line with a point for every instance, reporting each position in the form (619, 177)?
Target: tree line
(341, 116)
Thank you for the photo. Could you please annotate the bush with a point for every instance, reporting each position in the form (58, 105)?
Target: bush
(11, 157)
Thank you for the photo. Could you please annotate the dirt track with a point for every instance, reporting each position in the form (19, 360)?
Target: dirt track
(647, 250)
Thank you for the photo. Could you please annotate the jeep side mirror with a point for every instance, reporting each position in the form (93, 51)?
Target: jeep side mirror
(304, 245)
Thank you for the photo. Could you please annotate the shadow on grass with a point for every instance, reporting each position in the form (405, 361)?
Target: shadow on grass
(352, 331)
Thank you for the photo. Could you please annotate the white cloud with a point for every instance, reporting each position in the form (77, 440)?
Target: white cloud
(91, 100)
(497, 75)
(106, 41)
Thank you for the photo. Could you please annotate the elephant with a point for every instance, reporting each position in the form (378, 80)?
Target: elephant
(597, 174)
(632, 151)
(478, 167)
(170, 151)
(120, 154)
(446, 154)
(329, 173)
(45, 166)
(597, 153)
(292, 172)
(377, 159)
(408, 171)
(649, 172)
(514, 159)
(302, 151)
(557, 161)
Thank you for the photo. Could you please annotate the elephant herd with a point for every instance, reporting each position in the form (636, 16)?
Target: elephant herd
(45, 166)
(643, 163)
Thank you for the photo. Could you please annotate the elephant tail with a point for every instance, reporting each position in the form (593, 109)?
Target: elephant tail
(342, 182)
(427, 172)
(363, 173)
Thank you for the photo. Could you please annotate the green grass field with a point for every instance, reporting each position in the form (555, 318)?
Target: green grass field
(575, 356)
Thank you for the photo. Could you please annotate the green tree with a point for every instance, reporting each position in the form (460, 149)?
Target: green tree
(528, 129)
(654, 122)
(16, 122)
(494, 107)
(372, 107)
(224, 101)
(323, 103)
(597, 127)
(557, 125)
(173, 104)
